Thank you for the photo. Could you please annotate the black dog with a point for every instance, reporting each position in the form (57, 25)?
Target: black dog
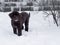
(17, 20)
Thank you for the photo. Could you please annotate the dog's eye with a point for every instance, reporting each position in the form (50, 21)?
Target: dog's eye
(14, 16)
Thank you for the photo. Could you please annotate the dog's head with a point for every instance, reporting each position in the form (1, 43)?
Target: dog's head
(14, 16)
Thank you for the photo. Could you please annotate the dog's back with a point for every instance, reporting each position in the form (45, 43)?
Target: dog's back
(25, 16)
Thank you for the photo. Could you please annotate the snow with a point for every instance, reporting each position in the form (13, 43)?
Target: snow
(42, 31)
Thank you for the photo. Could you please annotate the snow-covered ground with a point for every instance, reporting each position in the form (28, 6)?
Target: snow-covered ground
(42, 31)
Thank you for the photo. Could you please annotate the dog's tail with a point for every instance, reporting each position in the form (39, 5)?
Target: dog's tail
(29, 14)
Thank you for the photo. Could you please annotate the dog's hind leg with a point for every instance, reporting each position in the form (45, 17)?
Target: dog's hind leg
(26, 24)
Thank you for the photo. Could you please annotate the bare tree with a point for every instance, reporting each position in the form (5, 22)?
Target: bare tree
(53, 12)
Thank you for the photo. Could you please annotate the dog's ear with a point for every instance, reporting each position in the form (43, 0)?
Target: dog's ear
(10, 15)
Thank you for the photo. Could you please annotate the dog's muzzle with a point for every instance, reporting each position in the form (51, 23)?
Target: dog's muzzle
(16, 20)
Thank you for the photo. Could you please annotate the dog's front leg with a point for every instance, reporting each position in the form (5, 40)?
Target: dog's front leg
(22, 27)
(19, 31)
(14, 30)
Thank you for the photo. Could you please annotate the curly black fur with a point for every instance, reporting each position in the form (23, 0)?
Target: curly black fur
(17, 21)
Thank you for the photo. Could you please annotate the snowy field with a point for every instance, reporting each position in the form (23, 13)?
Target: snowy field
(42, 31)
